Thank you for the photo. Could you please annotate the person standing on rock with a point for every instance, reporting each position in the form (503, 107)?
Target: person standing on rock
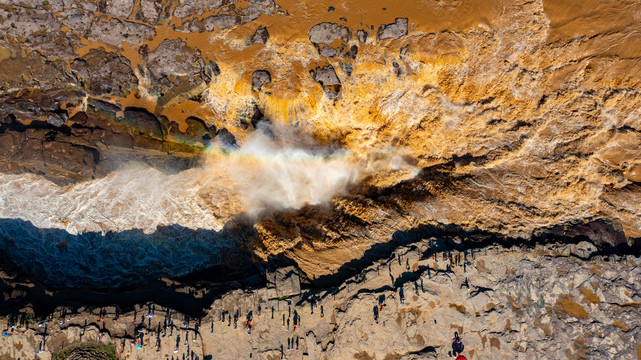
(457, 344)
(295, 320)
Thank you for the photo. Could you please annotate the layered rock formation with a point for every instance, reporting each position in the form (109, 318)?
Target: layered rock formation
(542, 302)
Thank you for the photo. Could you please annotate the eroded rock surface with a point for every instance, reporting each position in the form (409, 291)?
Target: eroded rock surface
(537, 303)
(332, 40)
(260, 36)
(327, 78)
(260, 78)
(393, 31)
(517, 119)
(91, 143)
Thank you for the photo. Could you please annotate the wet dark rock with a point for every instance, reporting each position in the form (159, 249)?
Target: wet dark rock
(260, 78)
(118, 140)
(352, 52)
(198, 130)
(91, 143)
(147, 143)
(7, 144)
(34, 71)
(36, 150)
(226, 138)
(362, 35)
(250, 116)
(65, 160)
(326, 76)
(347, 68)
(103, 105)
(57, 119)
(602, 232)
(394, 30)
(100, 114)
(211, 70)
(260, 36)
(142, 122)
(397, 69)
(331, 9)
(114, 76)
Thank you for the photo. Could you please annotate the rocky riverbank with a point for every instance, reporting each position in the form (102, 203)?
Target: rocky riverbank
(546, 301)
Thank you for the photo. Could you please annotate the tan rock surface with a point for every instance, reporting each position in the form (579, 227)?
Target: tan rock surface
(540, 302)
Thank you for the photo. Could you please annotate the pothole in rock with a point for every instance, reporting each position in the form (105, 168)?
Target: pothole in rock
(88, 352)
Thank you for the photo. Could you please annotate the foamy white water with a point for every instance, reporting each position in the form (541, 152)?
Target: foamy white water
(137, 197)
(285, 175)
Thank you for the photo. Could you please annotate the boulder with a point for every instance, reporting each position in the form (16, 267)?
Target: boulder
(332, 40)
(174, 58)
(394, 30)
(220, 22)
(260, 78)
(114, 78)
(260, 36)
(285, 280)
(362, 35)
(119, 8)
(326, 76)
(143, 122)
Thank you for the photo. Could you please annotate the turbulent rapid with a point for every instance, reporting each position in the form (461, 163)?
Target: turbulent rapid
(137, 197)
(138, 222)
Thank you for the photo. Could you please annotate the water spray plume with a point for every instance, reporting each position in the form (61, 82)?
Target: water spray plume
(277, 169)
(274, 169)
